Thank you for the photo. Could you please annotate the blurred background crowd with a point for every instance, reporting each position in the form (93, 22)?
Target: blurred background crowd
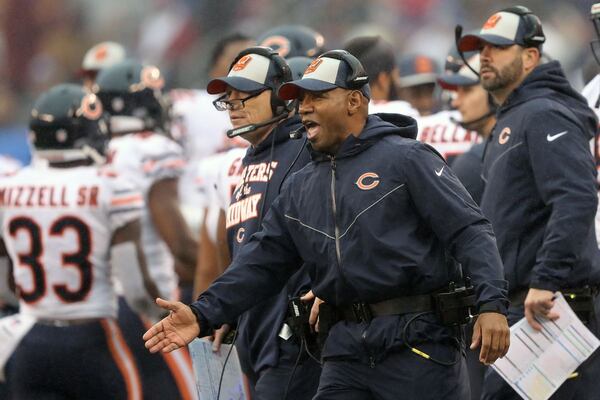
(42, 42)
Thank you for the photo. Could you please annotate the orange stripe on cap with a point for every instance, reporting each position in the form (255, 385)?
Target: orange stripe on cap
(123, 358)
(126, 200)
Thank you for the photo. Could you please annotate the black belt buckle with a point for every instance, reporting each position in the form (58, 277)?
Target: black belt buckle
(456, 306)
(362, 312)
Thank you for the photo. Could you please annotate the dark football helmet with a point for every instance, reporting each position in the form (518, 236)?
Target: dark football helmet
(298, 65)
(132, 89)
(69, 124)
(293, 41)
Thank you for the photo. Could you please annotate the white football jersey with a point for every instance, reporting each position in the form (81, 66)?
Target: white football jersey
(146, 158)
(393, 107)
(197, 124)
(201, 130)
(217, 177)
(591, 92)
(8, 165)
(58, 225)
(447, 137)
(228, 176)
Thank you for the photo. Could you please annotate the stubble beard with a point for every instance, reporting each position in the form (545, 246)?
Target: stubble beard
(505, 77)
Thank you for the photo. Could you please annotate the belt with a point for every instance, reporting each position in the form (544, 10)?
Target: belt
(365, 312)
(66, 322)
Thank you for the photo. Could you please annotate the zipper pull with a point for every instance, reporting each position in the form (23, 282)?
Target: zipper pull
(371, 362)
(333, 165)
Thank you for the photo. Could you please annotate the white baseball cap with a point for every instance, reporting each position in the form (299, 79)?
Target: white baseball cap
(506, 28)
(103, 55)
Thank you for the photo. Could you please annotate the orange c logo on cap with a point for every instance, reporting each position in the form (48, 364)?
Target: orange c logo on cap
(492, 21)
(101, 53)
(423, 65)
(363, 184)
(313, 66)
(242, 63)
(504, 135)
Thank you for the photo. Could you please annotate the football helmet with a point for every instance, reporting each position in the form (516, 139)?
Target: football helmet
(68, 123)
(131, 93)
(293, 41)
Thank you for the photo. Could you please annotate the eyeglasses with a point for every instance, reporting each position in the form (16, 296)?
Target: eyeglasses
(222, 104)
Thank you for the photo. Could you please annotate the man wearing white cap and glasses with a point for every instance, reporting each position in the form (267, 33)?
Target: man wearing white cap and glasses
(375, 214)
(271, 354)
(540, 186)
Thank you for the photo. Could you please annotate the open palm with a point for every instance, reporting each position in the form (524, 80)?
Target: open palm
(174, 331)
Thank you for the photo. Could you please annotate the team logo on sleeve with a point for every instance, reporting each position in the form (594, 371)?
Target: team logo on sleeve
(504, 135)
(367, 181)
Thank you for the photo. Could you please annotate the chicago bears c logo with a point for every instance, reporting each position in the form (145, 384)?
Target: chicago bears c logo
(90, 107)
(151, 77)
(504, 135)
(492, 21)
(313, 66)
(367, 181)
(278, 43)
(242, 63)
(240, 235)
(101, 53)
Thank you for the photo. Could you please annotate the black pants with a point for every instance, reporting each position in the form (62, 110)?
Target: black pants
(88, 361)
(585, 386)
(401, 375)
(288, 380)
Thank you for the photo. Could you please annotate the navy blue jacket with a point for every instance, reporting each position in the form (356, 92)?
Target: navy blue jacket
(265, 167)
(467, 168)
(540, 192)
(375, 222)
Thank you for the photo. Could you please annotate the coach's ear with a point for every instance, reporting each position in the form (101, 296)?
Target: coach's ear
(355, 101)
(530, 57)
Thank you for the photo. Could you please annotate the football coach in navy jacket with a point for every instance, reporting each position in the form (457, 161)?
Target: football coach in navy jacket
(382, 219)
(540, 180)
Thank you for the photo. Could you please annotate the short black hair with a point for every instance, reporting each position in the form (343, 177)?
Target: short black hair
(222, 44)
(374, 53)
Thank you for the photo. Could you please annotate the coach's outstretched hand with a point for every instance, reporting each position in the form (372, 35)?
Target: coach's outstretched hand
(174, 331)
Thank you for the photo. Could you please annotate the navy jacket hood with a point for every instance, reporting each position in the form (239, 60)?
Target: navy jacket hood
(549, 81)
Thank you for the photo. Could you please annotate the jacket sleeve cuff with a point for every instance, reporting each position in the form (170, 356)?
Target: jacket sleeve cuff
(496, 306)
(544, 284)
(205, 328)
